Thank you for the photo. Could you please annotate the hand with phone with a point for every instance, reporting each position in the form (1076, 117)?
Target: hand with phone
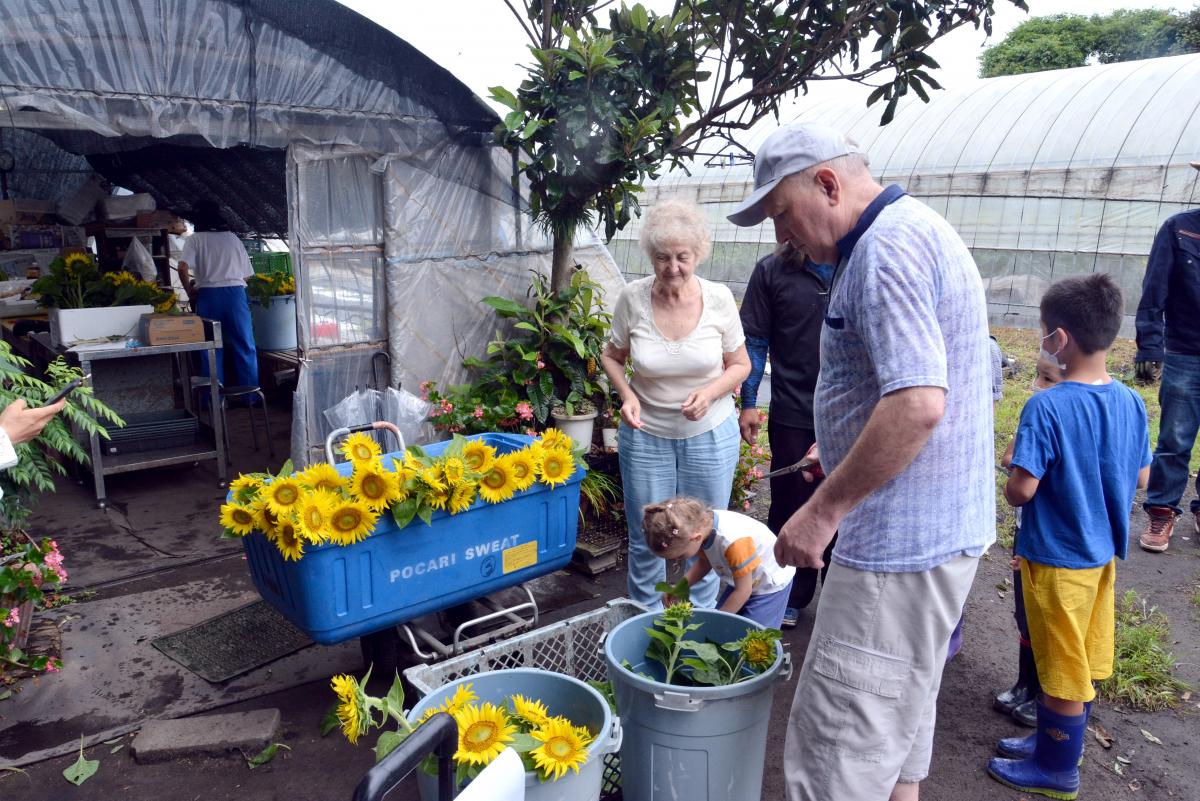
(67, 390)
(22, 423)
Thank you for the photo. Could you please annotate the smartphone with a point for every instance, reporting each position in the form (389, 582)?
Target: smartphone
(68, 389)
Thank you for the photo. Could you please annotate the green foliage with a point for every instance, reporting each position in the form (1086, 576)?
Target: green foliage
(266, 755)
(81, 769)
(605, 106)
(547, 356)
(600, 492)
(30, 571)
(691, 663)
(1061, 41)
(1143, 667)
(40, 461)
(75, 282)
(262, 287)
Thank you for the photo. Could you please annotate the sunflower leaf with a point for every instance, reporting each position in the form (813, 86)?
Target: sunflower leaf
(405, 511)
(81, 769)
(425, 512)
(286, 470)
(266, 755)
(395, 696)
(523, 743)
(330, 721)
(388, 742)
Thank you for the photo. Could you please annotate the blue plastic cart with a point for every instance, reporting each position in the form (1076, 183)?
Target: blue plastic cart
(397, 575)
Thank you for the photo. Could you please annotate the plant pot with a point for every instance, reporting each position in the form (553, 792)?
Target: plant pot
(71, 326)
(609, 437)
(563, 695)
(576, 426)
(274, 325)
(714, 739)
(25, 611)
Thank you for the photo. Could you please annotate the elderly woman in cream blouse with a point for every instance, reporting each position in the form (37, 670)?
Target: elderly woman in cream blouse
(679, 426)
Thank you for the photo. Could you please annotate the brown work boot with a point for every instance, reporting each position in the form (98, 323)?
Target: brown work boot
(1158, 531)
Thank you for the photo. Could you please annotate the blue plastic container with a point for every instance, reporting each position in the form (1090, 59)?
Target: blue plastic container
(562, 695)
(336, 592)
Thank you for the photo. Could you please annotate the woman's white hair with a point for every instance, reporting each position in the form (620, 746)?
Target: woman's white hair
(676, 222)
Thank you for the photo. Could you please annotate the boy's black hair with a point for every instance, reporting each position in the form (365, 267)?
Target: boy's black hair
(1088, 307)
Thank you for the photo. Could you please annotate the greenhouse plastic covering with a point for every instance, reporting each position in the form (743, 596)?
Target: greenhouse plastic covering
(1043, 175)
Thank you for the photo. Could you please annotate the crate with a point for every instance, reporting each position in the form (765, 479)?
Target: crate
(574, 646)
(396, 575)
(265, 262)
(148, 431)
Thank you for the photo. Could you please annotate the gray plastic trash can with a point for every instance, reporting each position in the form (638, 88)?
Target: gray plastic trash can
(690, 742)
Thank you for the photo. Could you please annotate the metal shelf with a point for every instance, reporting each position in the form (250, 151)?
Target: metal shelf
(144, 460)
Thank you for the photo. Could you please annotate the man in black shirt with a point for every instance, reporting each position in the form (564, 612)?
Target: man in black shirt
(782, 314)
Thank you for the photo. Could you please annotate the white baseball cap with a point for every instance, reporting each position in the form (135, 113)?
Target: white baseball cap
(791, 149)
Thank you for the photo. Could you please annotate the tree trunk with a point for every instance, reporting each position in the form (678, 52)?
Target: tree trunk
(561, 262)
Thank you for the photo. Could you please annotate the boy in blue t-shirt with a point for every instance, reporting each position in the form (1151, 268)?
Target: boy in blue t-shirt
(1082, 449)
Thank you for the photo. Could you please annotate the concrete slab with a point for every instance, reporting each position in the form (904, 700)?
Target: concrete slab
(206, 735)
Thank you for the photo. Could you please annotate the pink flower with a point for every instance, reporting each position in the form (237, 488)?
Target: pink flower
(541, 365)
(54, 665)
(454, 429)
(14, 618)
(757, 473)
(478, 412)
(746, 506)
(531, 432)
(524, 411)
(425, 387)
(756, 450)
(447, 407)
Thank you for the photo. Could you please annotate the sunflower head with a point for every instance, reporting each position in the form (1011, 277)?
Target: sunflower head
(462, 696)
(350, 522)
(484, 731)
(322, 476)
(287, 540)
(282, 495)
(679, 613)
(432, 477)
(374, 487)
(244, 488)
(477, 456)
(557, 466)
(239, 519)
(314, 514)
(462, 496)
(561, 749)
(498, 483)
(531, 710)
(758, 648)
(360, 447)
(523, 467)
(553, 438)
(352, 708)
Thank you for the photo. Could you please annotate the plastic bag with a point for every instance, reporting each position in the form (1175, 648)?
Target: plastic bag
(139, 261)
(359, 408)
(408, 413)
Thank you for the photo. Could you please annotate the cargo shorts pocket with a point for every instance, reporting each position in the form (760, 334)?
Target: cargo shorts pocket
(865, 688)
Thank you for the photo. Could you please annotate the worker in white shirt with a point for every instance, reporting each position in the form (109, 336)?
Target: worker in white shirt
(19, 423)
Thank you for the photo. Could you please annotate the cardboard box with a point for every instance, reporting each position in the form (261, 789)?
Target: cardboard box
(24, 211)
(27, 237)
(171, 329)
(115, 208)
(160, 218)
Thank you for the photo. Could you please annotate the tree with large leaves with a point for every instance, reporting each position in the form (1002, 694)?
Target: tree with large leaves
(607, 105)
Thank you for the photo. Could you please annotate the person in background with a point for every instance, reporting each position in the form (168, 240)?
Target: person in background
(904, 423)
(1081, 451)
(782, 313)
(1168, 342)
(738, 548)
(19, 423)
(679, 425)
(213, 268)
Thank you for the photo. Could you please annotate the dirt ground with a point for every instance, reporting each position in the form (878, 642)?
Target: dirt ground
(329, 768)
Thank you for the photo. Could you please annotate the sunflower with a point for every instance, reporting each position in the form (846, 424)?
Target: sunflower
(282, 495)
(71, 259)
(243, 488)
(452, 705)
(524, 469)
(375, 487)
(322, 476)
(553, 438)
(314, 514)
(432, 477)
(758, 648)
(352, 708)
(531, 710)
(287, 539)
(264, 519)
(439, 497)
(498, 483)
(478, 455)
(350, 522)
(484, 731)
(557, 466)
(561, 749)
(462, 497)
(360, 448)
(239, 519)
(453, 470)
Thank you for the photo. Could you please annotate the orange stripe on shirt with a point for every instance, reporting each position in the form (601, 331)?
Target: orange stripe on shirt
(742, 557)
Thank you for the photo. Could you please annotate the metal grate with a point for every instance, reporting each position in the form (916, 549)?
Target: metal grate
(574, 647)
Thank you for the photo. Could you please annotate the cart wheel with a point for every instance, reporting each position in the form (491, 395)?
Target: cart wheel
(382, 649)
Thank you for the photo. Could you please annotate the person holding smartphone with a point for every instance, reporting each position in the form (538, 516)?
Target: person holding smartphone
(19, 423)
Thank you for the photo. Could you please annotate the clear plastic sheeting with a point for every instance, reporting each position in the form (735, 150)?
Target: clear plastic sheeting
(1044, 175)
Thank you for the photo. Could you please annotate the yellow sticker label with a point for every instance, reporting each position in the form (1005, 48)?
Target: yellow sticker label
(520, 556)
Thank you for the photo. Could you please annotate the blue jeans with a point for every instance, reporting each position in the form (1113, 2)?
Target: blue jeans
(654, 469)
(765, 610)
(230, 306)
(1179, 396)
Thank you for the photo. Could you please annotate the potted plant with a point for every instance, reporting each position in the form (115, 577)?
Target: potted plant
(28, 570)
(576, 417)
(610, 421)
(86, 304)
(273, 309)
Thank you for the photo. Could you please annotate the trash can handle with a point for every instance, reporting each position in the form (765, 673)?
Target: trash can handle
(378, 425)
(785, 672)
(439, 736)
(678, 702)
(616, 737)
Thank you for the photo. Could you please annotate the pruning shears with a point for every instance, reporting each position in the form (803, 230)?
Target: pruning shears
(806, 464)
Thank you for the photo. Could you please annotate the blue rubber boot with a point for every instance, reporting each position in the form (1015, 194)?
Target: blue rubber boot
(1053, 770)
(1022, 747)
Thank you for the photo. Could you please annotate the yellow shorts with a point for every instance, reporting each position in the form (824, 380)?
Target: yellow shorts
(1071, 626)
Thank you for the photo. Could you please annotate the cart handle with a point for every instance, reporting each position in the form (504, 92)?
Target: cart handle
(437, 735)
(378, 425)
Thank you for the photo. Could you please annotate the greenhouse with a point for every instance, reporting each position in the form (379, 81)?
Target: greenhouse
(1043, 175)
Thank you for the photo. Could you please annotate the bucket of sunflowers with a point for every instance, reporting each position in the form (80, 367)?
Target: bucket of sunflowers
(347, 549)
(559, 726)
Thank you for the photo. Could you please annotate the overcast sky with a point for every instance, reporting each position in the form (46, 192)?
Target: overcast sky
(481, 42)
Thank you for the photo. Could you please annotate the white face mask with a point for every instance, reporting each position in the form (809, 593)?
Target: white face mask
(1051, 357)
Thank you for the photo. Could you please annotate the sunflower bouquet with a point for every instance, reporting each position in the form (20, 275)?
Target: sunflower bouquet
(319, 505)
(75, 282)
(549, 744)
